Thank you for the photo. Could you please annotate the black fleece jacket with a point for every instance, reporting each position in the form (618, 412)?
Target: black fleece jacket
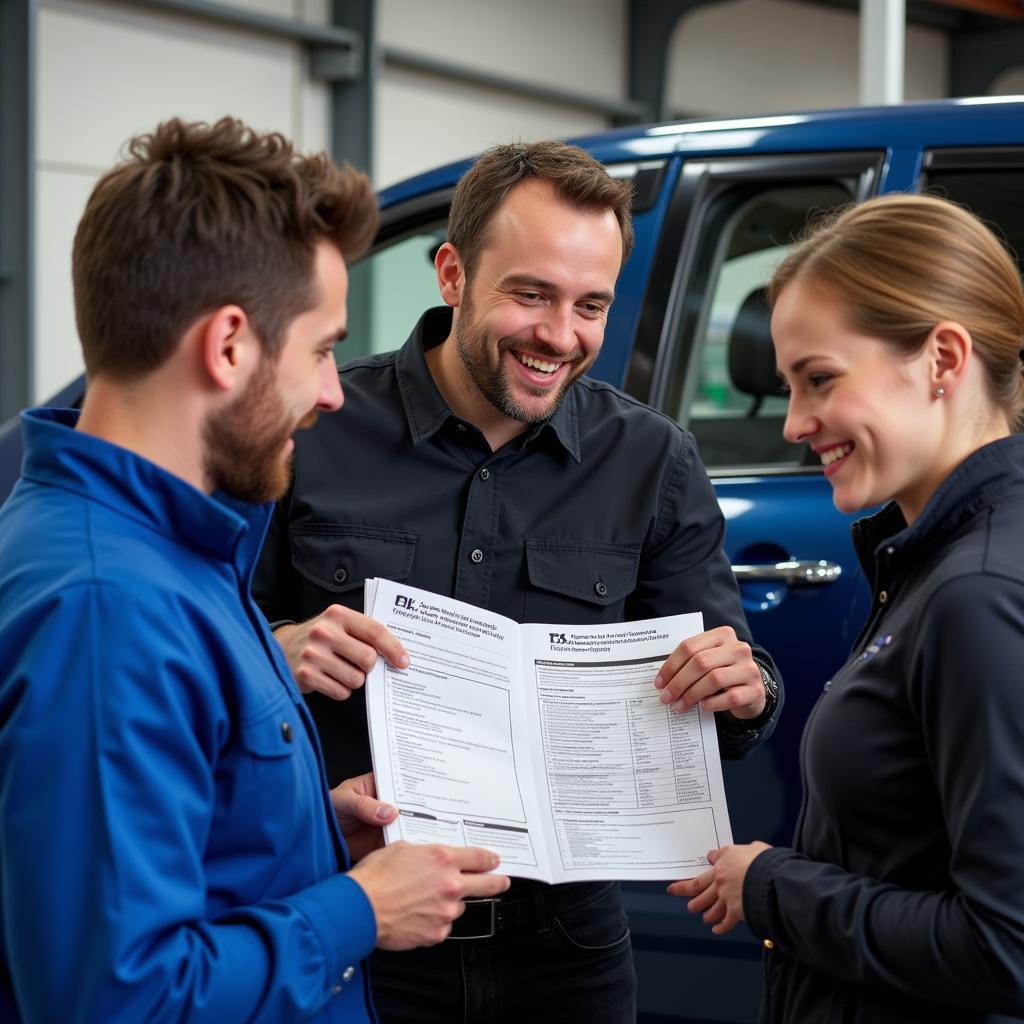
(903, 897)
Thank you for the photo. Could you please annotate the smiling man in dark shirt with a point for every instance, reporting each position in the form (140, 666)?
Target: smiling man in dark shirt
(491, 469)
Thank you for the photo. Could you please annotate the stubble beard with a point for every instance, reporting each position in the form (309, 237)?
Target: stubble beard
(243, 442)
(473, 345)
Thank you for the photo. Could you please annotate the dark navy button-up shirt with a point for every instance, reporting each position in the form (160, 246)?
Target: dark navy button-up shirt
(601, 513)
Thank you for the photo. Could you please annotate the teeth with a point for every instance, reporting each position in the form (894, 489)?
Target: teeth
(537, 364)
(827, 458)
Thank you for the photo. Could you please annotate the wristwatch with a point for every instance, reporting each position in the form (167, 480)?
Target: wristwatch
(741, 726)
(771, 693)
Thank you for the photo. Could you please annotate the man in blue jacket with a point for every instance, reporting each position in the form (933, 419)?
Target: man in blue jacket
(169, 849)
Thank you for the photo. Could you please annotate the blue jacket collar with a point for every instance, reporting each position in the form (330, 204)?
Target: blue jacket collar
(58, 455)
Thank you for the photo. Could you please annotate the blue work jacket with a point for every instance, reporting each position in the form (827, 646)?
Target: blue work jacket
(168, 849)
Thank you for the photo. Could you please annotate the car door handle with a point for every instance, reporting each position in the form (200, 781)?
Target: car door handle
(796, 574)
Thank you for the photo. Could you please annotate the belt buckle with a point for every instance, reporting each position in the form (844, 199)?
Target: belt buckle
(493, 925)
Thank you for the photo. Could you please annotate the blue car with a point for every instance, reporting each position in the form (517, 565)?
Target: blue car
(718, 204)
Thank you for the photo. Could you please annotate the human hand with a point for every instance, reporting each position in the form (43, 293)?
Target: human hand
(361, 816)
(332, 652)
(718, 892)
(417, 891)
(715, 668)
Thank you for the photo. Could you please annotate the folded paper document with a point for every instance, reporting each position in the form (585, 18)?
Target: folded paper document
(544, 743)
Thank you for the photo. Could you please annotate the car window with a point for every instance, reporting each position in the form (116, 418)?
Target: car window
(389, 290)
(721, 381)
(990, 182)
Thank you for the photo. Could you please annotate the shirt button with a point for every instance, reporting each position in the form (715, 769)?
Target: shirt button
(485, 473)
(476, 556)
(286, 731)
(600, 589)
(346, 975)
(883, 596)
(460, 426)
(336, 990)
(768, 944)
(340, 575)
(890, 550)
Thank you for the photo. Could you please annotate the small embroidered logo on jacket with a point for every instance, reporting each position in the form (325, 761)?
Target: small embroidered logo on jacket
(880, 641)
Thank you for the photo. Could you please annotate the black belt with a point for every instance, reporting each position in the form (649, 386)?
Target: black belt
(483, 919)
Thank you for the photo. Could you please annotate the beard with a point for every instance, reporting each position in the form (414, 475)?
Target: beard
(244, 442)
(474, 346)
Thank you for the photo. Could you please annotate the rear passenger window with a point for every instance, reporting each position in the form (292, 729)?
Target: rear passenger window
(731, 401)
(715, 371)
(989, 182)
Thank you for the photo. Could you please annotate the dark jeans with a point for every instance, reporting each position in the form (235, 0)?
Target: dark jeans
(571, 962)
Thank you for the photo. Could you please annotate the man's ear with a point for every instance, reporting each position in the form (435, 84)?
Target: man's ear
(229, 347)
(949, 347)
(451, 277)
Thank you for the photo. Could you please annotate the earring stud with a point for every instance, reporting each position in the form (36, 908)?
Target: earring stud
(940, 392)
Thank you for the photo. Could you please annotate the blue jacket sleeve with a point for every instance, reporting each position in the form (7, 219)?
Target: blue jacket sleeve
(108, 748)
(963, 946)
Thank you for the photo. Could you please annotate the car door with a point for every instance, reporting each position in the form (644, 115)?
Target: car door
(703, 355)
(711, 367)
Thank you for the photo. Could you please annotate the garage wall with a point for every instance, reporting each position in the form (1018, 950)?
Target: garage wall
(784, 55)
(108, 71)
(424, 120)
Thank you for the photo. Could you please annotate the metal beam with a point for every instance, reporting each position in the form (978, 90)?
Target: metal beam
(622, 111)
(650, 34)
(883, 33)
(17, 202)
(336, 52)
(353, 110)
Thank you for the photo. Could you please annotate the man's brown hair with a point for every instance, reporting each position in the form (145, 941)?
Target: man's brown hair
(201, 216)
(576, 177)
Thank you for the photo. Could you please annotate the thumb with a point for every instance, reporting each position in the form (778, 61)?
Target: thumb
(365, 808)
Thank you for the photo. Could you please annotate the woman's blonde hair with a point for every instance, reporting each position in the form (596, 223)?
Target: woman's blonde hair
(900, 264)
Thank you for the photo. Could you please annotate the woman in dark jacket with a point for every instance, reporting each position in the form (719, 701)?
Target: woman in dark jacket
(899, 330)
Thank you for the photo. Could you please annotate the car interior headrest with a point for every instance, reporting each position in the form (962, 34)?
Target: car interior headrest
(751, 353)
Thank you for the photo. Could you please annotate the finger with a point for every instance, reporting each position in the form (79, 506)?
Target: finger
(691, 646)
(745, 700)
(685, 887)
(474, 858)
(690, 887)
(709, 671)
(331, 647)
(376, 636)
(703, 901)
(715, 913)
(312, 680)
(484, 886)
(726, 925)
(714, 855)
(365, 808)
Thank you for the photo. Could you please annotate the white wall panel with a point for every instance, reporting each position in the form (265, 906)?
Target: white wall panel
(108, 71)
(426, 120)
(754, 56)
(572, 44)
(61, 197)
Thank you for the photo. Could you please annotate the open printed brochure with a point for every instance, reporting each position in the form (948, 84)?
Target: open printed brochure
(546, 744)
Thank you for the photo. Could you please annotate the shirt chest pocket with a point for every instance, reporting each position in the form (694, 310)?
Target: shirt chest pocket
(267, 778)
(338, 558)
(578, 582)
